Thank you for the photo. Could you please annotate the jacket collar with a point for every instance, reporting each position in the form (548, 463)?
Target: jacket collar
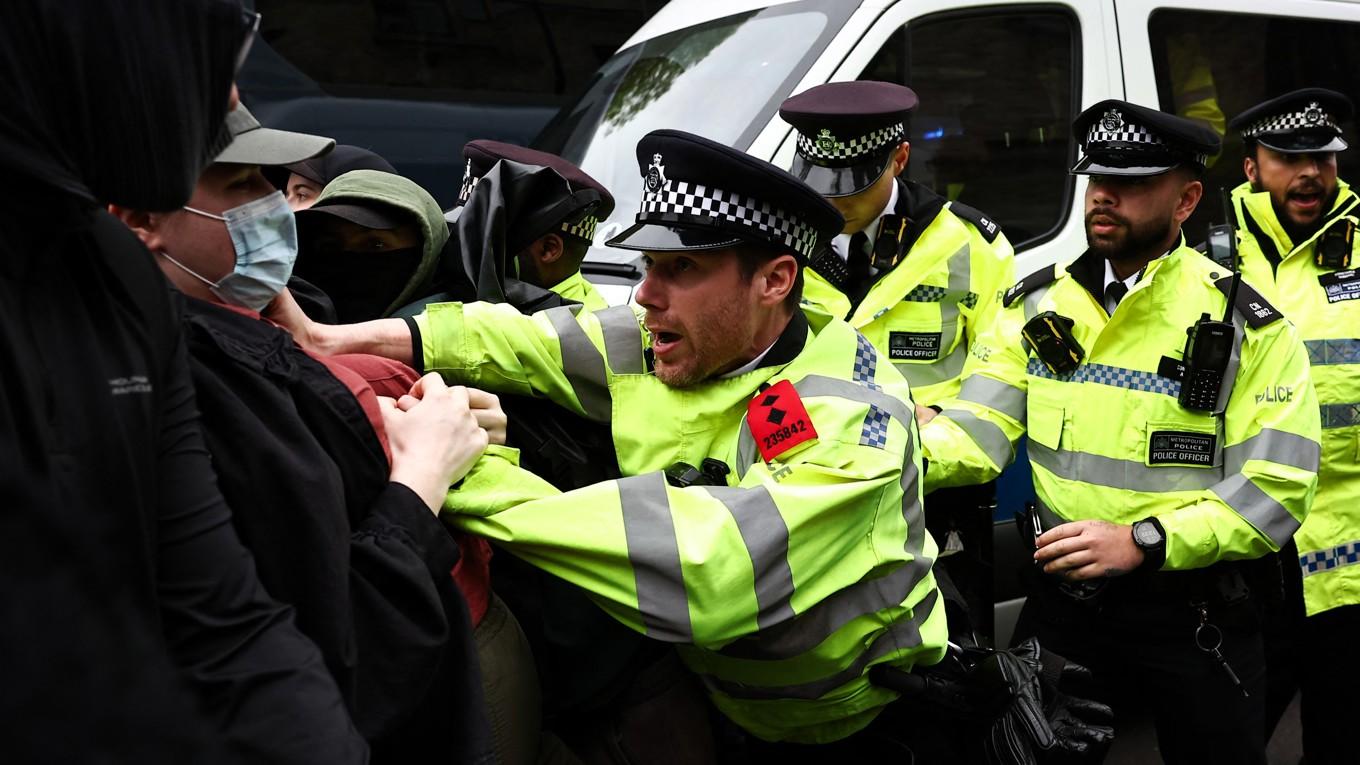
(1257, 214)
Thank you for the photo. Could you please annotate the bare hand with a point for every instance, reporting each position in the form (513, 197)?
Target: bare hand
(1088, 550)
(435, 438)
(285, 312)
(924, 414)
(486, 407)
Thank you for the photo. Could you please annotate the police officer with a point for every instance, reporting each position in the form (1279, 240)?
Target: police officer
(553, 259)
(915, 273)
(769, 522)
(1157, 462)
(1296, 224)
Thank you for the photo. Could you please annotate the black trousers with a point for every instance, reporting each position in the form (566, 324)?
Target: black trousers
(1138, 639)
(1329, 670)
(964, 514)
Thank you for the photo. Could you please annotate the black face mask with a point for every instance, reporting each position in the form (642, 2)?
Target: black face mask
(361, 284)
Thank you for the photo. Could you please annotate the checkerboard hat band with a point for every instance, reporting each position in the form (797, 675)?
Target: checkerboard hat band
(1311, 117)
(684, 202)
(1104, 131)
(583, 228)
(469, 183)
(826, 147)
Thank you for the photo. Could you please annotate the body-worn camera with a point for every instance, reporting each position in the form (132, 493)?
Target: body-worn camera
(1333, 250)
(1050, 337)
(711, 472)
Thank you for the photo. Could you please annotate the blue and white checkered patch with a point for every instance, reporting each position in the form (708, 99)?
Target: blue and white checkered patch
(925, 293)
(1116, 377)
(1322, 352)
(1326, 560)
(875, 432)
(1340, 415)
(866, 362)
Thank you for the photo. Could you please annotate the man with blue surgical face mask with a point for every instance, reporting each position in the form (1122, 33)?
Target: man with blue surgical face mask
(334, 490)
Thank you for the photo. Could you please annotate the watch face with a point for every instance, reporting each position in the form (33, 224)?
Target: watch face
(1146, 534)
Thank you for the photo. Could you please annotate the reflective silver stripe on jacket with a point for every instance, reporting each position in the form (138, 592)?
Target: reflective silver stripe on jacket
(1327, 352)
(622, 340)
(994, 394)
(866, 596)
(960, 281)
(581, 363)
(654, 554)
(903, 635)
(766, 537)
(987, 435)
(1227, 482)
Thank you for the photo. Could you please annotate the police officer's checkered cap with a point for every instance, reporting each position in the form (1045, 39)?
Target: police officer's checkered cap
(859, 147)
(1120, 133)
(691, 182)
(583, 228)
(1309, 118)
(1308, 109)
(695, 203)
(1126, 133)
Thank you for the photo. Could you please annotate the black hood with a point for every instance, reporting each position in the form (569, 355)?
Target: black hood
(117, 102)
(510, 203)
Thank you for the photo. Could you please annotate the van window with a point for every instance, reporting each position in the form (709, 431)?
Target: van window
(482, 50)
(988, 132)
(1213, 66)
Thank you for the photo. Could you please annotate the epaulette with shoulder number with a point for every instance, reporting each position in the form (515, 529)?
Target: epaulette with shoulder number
(1034, 281)
(980, 220)
(1257, 311)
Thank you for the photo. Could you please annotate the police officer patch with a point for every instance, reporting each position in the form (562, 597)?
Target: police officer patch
(1341, 285)
(1175, 447)
(913, 346)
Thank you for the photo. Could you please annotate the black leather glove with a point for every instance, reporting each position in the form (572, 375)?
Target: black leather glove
(1044, 722)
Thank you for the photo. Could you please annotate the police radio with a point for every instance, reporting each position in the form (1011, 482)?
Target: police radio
(1208, 344)
(1333, 250)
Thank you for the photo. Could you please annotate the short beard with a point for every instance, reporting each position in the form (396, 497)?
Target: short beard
(1140, 242)
(715, 348)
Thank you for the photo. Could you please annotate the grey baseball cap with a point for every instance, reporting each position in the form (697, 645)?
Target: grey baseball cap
(254, 144)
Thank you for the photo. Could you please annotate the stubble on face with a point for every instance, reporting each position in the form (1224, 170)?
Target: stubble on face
(1129, 240)
(717, 335)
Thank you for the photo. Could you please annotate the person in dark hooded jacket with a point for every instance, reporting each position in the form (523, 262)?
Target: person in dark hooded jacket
(335, 495)
(308, 178)
(136, 629)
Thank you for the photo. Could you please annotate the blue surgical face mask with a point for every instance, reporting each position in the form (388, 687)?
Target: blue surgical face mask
(264, 234)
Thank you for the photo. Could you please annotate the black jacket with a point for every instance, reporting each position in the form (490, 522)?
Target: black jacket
(364, 561)
(135, 628)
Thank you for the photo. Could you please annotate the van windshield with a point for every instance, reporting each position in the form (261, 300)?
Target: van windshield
(723, 80)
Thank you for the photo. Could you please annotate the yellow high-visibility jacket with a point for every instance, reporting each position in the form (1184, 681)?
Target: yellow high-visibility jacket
(1325, 306)
(577, 287)
(780, 589)
(1110, 441)
(925, 312)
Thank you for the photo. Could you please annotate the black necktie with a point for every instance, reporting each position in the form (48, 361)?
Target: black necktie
(1115, 292)
(858, 258)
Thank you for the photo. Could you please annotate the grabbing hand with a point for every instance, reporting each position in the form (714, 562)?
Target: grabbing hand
(285, 312)
(435, 438)
(1088, 550)
(924, 414)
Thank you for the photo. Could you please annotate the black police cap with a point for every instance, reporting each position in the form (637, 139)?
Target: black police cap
(1299, 122)
(846, 133)
(482, 155)
(698, 194)
(1120, 138)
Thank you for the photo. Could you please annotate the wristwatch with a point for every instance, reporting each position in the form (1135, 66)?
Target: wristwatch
(1150, 537)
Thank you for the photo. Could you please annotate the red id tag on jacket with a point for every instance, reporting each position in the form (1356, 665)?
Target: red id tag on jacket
(779, 421)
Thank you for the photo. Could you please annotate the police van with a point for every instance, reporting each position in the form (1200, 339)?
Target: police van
(999, 84)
